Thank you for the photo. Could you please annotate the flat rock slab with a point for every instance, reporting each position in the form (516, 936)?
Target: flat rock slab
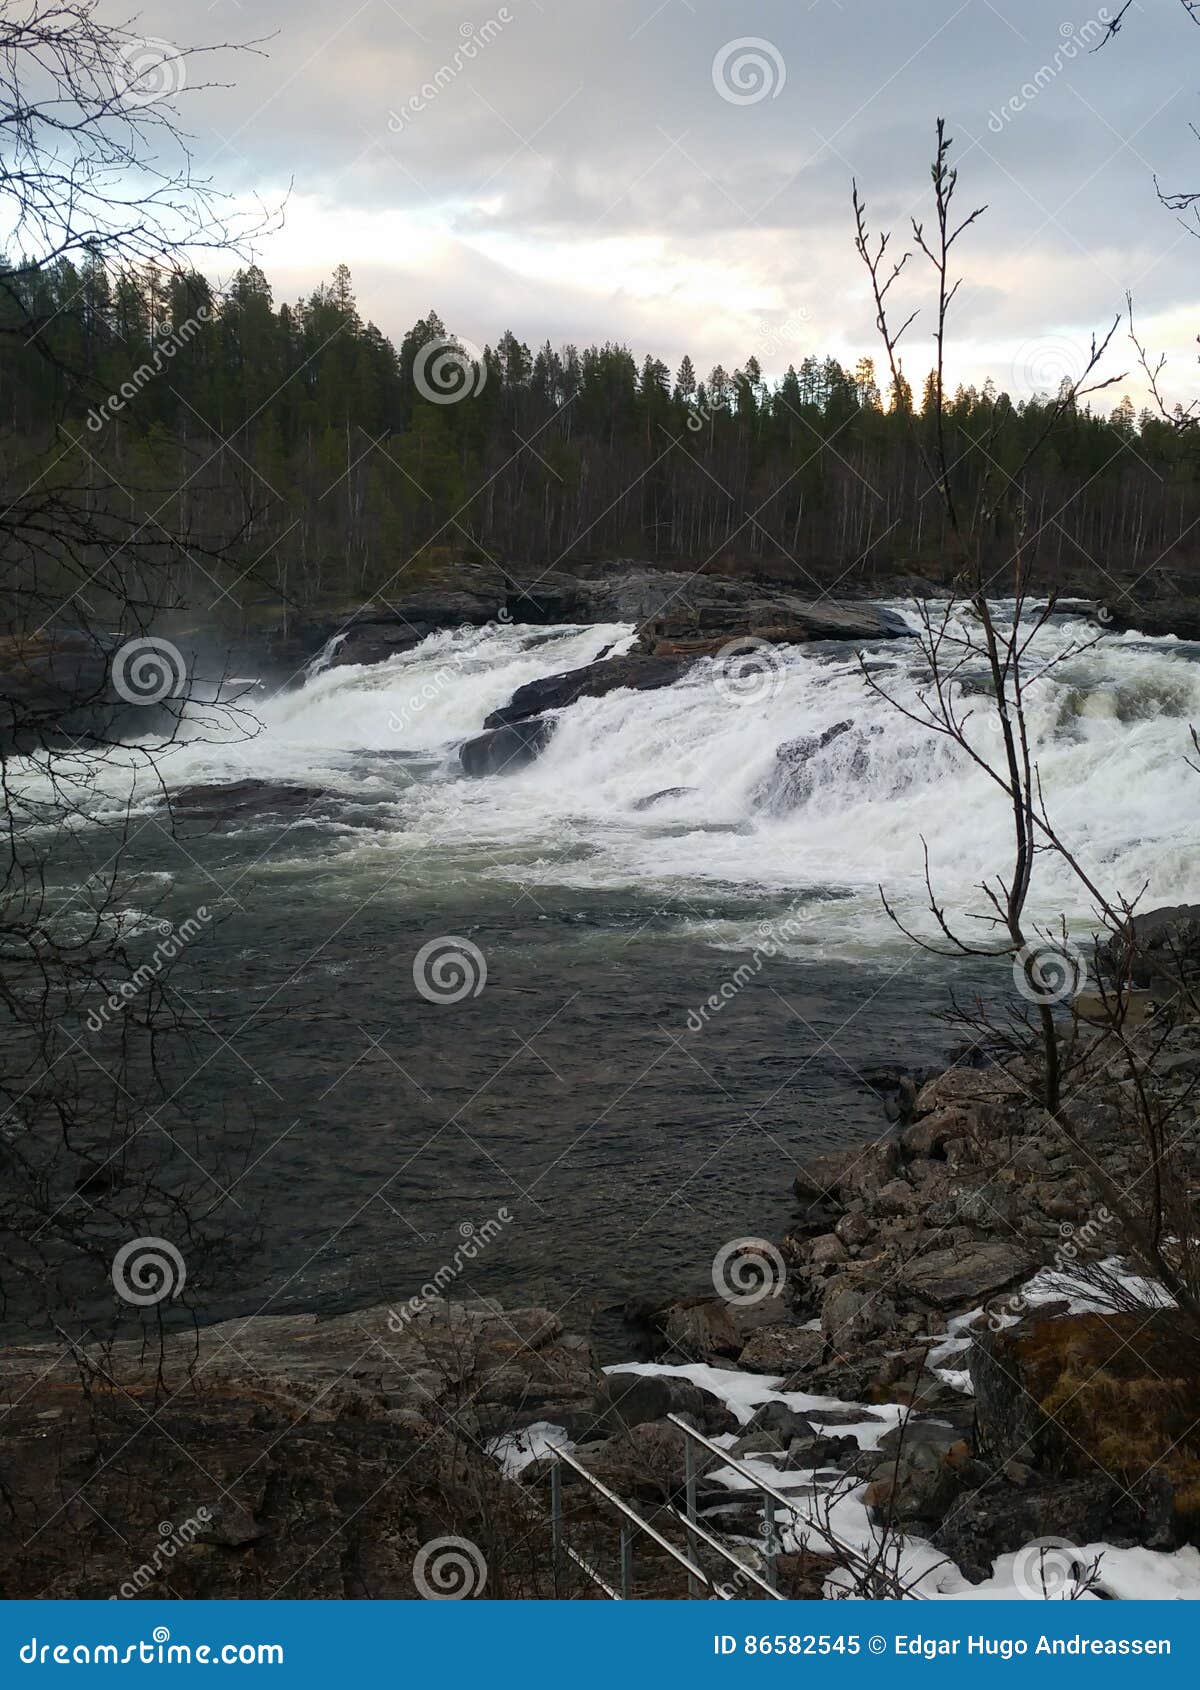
(960, 1279)
(514, 1365)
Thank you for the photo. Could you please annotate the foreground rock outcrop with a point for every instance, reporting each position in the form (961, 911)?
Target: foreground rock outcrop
(278, 1456)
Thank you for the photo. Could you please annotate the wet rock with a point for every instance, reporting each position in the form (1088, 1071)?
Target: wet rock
(505, 750)
(780, 620)
(1161, 943)
(789, 783)
(594, 680)
(667, 792)
(241, 800)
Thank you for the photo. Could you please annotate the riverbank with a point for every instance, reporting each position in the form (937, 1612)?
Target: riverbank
(929, 1366)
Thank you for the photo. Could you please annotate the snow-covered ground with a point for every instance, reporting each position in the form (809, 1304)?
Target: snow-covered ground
(822, 1504)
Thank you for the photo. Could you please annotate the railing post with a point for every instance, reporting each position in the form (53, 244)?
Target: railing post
(689, 1473)
(556, 1523)
(627, 1563)
(772, 1540)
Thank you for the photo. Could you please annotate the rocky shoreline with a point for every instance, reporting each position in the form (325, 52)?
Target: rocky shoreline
(914, 1358)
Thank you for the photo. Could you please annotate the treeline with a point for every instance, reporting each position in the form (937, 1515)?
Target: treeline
(344, 465)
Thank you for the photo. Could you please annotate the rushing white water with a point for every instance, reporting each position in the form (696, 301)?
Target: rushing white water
(1111, 726)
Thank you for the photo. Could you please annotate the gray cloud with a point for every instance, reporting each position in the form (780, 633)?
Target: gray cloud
(580, 175)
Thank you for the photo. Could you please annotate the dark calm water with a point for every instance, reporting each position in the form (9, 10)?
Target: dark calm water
(359, 1130)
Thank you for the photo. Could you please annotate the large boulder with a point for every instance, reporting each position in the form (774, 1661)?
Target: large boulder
(999, 1518)
(783, 1350)
(503, 751)
(700, 1330)
(960, 1278)
(274, 1454)
(626, 1400)
(1160, 947)
(790, 782)
(782, 619)
(239, 801)
(1081, 1394)
(835, 1175)
(594, 680)
(647, 1462)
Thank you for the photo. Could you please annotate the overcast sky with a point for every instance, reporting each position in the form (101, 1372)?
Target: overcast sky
(633, 170)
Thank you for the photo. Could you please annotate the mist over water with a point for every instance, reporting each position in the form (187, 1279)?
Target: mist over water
(612, 886)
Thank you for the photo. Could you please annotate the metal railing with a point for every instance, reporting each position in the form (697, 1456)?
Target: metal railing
(701, 1584)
